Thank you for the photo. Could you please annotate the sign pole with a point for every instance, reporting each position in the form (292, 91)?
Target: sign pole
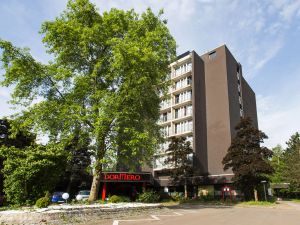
(104, 191)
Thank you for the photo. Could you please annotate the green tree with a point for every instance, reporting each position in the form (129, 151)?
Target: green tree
(279, 165)
(19, 139)
(104, 78)
(32, 171)
(248, 160)
(292, 160)
(179, 160)
(77, 170)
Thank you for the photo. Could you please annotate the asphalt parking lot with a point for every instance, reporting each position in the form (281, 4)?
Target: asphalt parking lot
(284, 214)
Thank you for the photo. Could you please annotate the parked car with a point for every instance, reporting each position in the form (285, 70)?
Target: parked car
(57, 197)
(83, 195)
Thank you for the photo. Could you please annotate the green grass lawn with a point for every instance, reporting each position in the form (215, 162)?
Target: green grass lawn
(216, 202)
(258, 203)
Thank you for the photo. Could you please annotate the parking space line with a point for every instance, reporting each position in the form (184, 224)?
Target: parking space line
(153, 218)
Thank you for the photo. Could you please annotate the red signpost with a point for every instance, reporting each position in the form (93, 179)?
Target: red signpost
(104, 192)
(226, 189)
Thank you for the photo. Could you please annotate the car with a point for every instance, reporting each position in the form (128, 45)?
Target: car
(83, 195)
(57, 197)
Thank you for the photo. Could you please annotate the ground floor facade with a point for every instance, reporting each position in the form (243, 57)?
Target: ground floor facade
(132, 184)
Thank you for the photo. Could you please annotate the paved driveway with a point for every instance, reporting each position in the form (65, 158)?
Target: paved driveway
(286, 214)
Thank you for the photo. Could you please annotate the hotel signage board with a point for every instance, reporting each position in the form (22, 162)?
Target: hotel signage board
(125, 177)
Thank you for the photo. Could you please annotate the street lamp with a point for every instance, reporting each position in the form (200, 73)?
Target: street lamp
(264, 182)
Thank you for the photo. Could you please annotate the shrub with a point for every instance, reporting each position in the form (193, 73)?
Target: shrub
(42, 202)
(148, 197)
(177, 196)
(207, 198)
(116, 199)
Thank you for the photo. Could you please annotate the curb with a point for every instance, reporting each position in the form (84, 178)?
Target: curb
(71, 215)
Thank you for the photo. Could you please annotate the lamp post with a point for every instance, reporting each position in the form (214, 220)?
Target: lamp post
(264, 182)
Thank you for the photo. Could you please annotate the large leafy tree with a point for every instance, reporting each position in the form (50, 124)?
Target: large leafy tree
(179, 160)
(246, 157)
(103, 80)
(291, 172)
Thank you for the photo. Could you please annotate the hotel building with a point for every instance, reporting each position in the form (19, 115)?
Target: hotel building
(207, 97)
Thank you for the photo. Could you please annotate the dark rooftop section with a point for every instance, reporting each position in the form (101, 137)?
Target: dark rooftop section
(183, 54)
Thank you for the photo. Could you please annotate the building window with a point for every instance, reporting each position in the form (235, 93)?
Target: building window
(189, 80)
(212, 55)
(184, 111)
(240, 101)
(241, 113)
(176, 113)
(176, 99)
(165, 117)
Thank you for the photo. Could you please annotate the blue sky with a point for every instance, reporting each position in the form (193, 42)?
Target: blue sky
(263, 35)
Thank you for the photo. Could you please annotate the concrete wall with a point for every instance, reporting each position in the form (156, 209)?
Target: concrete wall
(249, 101)
(233, 93)
(217, 109)
(199, 115)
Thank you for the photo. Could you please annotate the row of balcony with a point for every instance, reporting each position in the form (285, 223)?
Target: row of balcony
(182, 69)
(179, 113)
(177, 89)
(163, 147)
(183, 97)
(159, 162)
(180, 128)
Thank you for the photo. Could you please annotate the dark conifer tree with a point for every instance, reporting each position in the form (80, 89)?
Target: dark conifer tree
(248, 159)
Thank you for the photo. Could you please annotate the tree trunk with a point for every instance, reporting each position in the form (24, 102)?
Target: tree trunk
(255, 195)
(185, 189)
(95, 185)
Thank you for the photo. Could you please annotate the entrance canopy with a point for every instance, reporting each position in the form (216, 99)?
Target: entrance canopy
(125, 177)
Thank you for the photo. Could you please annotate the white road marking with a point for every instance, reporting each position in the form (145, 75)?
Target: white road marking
(188, 211)
(176, 214)
(154, 217)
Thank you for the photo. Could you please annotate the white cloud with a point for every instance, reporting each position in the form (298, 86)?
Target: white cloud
(279, 125)
(278, 114)
(290, 10)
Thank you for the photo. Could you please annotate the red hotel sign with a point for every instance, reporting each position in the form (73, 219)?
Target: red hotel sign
(125, 177)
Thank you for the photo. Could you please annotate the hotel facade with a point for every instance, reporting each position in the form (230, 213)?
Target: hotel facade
(207, 98)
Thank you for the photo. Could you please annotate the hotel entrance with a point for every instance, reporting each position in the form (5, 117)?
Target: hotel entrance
(124, 184)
